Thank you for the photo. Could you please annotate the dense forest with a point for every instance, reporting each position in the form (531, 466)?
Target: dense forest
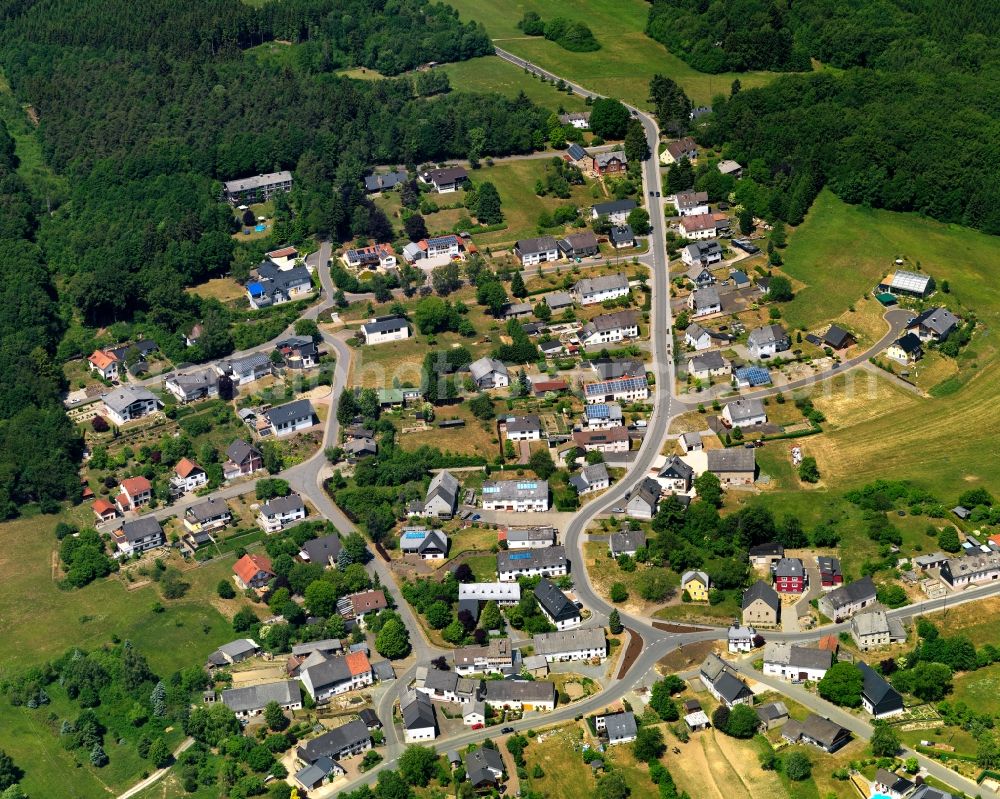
(142, 111)
(763, 34)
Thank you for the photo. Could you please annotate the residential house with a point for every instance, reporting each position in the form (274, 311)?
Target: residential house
(766, 555)
(772, 715)
(445, 180)
(556, 606)
(542, 387)
(286, 420)
(696, 585)
(934, 324)
(891, 785)
(528, 537)
(501, 593)
(257, 188)
(425, 544)
(704, 301)
(933, 561)
(484, 768)
(517, 310)
(276, 514)
(603, 415)
(324, 550)
(616, 368)
(621, 237)
(697, 337)
(442, 496)
(818, 731)
(614, 439)
(134, 493)
(616, 211)
(761, 605)
(489, 373)
(699, 226)
(188, 476)
(104, 511)
(493, 658)
(375, 256)
(906, 349)
(419, 717)
(191, 386)
(579, 120)
(926, 791)
(702, 253)
(610, 328)
(977, 567)
(878, 698)
(203, 517)
(620, 728)
(578, 245)
(796, 663)
(251, 700)
(789, 576)
(908, 284)
(234, 652)
(246, 370)
(104, 364)
(383, 329)
(733, 466)
(701, 276)
(339, 743)
(842, 603)
(552, 348)
(270, 285)
(569, 645)
(520, 496)
(384, 182)
(520, 695)
(536, 251)
(674, 151)
(446, 686)
(594, 290)
(873, 629)
(741, 638)
(298, 353)
(593, 477)
(744, 413)
(644, 500)
(710, 364)
(722, 683)
(546, 562)
(474, 714)
(690, 203)
(751, 377)
(837, 338)
(626, 542)
(242, 459)
(337, 675)
(523, 428)
(138, 535)
(194, 334)
(558, 300)
(624, 389)
(610, 163)
(253, 571)
(128, 404)
(763, 342)
(691, 442)
(446, 247)
(358, 605)
(728, 167)
(830, 573)
(676, 476)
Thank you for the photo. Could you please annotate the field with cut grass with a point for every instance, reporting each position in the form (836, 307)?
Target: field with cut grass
(979, 689)
(627, 58)
(492, 74)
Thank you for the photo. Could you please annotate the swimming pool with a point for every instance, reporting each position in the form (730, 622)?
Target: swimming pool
(261, 228)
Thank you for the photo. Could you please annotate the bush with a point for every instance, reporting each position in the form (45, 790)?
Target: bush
(798, 767)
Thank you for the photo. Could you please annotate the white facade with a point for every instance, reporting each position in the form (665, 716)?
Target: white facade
(275, 518)
(568, 646)
(376, 333)
(419, 734)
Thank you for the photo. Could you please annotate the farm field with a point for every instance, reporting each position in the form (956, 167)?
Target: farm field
(492, 74)
(627, 58)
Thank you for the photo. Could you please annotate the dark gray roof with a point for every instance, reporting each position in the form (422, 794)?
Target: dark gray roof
(616, 206)
(851, 593)
(140, 528)
(730, 687)
(613, 368)
(770, 549)
(537, 245)
(628, 541)
(824, 731)
(209, 509)
(385, 325)
(761, 590)
(523, 559)
(419, 712)
(772, 711)
(387, 181)
(938, 320)
(836, 336)
(287, 504)
(648, 492)
(767, 335)
(789, 567)
(676, 468)
(926, 791)
(331, 744)
(807, 657)
(708, 360)
(240, 450)
(611, 321)
(576, 152)
(877, 691)
(621, 233)
(731, 459)
(621, 725)
(554, 602)
(500, 691)
(482, 764)
(909, 343)
(523, 424)
(286, 413)
(320, 550)
(255, 697)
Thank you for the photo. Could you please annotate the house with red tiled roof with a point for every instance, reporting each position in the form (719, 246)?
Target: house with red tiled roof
(104, 363)
(135, 491)
(357, 605)
(104, 510)
(188, 476)
(253, 571)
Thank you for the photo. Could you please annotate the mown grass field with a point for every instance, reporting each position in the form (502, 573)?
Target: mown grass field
(492, 74)
(627, 58)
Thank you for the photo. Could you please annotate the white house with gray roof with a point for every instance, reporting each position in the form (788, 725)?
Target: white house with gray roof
(286, 420)
(442, 496)
(246, 370)
(733, 465)
(616, 211)
(708, 365)
(619, 727)
(489, 373)
(610, 328)
(191, 386)
(545, 562)
(704, 301)
(523, 428)
(383, 329)
(592, 290)
(529, 537)
(744, 413)
(419, 717)
(128, 404)
(276, 514)
(257, 188)
(934, 324)
(593, 477)
(844, 602)
(626, 542)
(796, 663)
(702, 253)
(568, 645)
(536, 251)
(676, 475)
(697, 337)
(763, 342)
(250, 701)
(519, 496)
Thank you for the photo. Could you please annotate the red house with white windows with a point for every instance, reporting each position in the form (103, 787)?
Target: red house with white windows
(789, 576)
(830, 573)
(136, 491)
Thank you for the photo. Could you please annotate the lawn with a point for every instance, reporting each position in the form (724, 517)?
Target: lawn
(492, 74)
(223, 289)
(979, 689)
(41, 180)
(627, 58)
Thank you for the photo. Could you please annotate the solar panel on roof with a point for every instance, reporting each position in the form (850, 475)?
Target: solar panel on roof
(600, 411)
(520, 556)
(755, 375)
(420, 534)
(491, 489)
(527, 486)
